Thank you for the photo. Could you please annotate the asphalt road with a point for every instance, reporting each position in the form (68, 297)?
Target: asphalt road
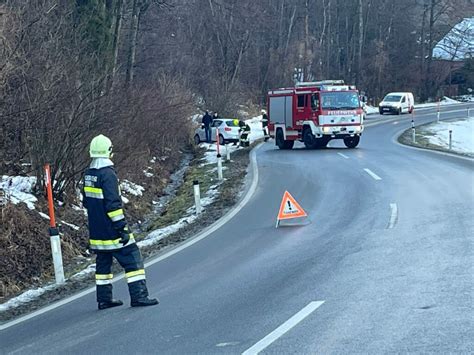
(382, 264)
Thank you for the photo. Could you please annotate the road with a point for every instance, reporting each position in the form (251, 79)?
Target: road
(382, 264)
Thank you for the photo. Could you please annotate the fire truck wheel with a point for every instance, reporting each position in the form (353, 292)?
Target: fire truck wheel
(281, 142)
(309, 139)
(351, 142)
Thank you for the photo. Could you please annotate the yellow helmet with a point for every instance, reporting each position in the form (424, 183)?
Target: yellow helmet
(101, 147)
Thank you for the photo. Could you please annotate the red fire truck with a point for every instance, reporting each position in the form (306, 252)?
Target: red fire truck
(315, 113)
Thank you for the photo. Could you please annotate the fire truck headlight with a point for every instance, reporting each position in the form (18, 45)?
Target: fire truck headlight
(326, 129)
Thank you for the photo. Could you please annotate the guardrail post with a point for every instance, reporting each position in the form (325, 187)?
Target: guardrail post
(450, 139)
(413, 133)
(197, 197)
(219, 167)
(227, 152)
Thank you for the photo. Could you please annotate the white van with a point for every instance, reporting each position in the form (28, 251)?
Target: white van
(397, 102)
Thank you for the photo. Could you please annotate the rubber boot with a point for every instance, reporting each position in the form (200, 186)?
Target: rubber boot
(143, 302)
(139, 295)
(109, 304)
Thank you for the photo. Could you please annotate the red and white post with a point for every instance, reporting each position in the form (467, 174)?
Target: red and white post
(53, 231)
(219, 157)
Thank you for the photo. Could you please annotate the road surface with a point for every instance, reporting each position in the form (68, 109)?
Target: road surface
(383, 263)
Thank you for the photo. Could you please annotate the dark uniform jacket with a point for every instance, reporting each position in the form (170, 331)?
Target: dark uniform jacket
(104, 209)
(207, 120)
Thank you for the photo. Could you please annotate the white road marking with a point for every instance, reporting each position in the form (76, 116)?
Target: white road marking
(219, 223)
(343, 155)
(393, 215)
(371, 173)
(282, 329)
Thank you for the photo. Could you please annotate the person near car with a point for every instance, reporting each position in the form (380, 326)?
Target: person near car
(244, 133)
(109, 234)
(265, 125)
(207, 122)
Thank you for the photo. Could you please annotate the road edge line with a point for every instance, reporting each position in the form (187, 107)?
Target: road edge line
(193, 240)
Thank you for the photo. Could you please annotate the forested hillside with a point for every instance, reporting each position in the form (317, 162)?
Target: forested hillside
(137, 69)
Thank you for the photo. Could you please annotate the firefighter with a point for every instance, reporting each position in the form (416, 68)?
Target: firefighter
(265, 125)
(244, 132)
(109, 234)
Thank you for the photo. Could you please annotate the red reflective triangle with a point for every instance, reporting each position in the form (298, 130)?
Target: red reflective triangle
(289, 208)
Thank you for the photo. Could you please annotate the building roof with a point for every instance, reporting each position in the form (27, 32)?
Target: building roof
(458, 44)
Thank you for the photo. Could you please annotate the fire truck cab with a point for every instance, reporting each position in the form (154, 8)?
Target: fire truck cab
(315, 113)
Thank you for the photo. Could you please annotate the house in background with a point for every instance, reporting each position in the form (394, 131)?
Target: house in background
(453, 56)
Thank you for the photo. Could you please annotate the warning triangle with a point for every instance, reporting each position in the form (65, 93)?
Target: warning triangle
(289, 208)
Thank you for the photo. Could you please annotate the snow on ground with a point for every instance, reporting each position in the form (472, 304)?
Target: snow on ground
(131, 188)
(462, 135)
(369, 110)
(18, 189)
(25, 297)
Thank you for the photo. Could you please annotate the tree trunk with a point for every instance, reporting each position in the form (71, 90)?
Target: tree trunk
(360, 44)
(132, 49)
(116, 40)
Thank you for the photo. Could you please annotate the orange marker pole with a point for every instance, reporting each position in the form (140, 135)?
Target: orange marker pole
(49, 191)
(53, 230)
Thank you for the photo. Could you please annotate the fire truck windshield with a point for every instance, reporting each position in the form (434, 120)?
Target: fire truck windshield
(340, 100)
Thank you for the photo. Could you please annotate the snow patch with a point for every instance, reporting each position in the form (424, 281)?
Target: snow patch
(462, 135)
(19, 188)
(25, 297)
(131, 188)
(44, 215)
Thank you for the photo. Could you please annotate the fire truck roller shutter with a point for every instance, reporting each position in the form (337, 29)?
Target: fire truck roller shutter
(281, 110)
(277, 109)
(289, 111)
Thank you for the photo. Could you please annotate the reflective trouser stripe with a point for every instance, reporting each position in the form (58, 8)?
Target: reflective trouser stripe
(135, 278)
(103, 282)
(116, 215)
(103, 279)
(93, 192)
(137, 275)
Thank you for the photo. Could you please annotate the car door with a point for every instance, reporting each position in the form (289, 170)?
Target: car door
(215, 124)
(403, 104)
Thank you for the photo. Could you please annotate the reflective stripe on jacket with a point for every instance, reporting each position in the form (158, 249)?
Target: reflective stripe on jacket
(104, 209)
